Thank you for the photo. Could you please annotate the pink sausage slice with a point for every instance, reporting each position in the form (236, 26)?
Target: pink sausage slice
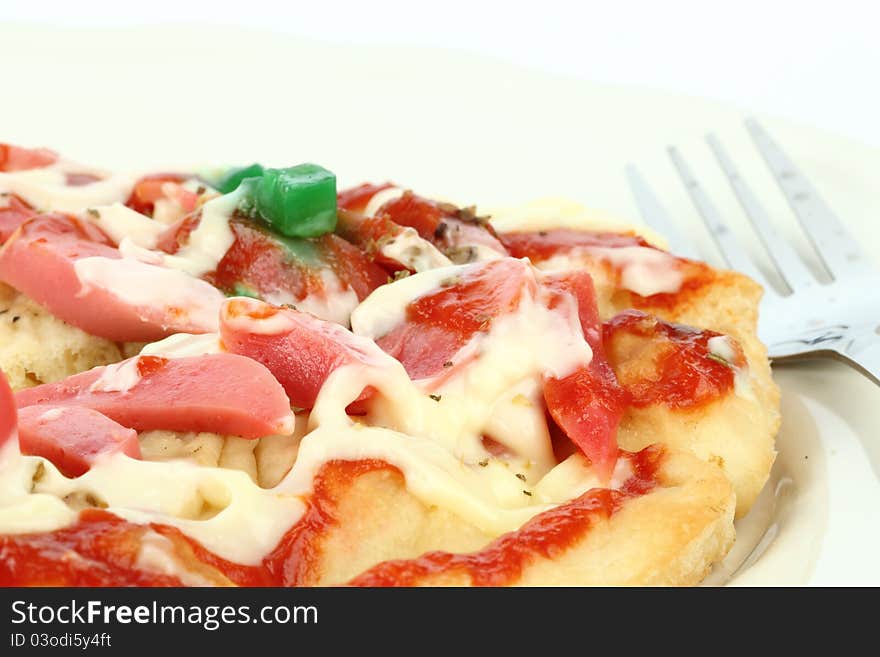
(73, 437)
(12, 215)
(7, 410)
(219, 393)
(298, 348)
(74, 270)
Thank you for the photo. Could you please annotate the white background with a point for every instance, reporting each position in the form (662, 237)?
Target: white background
(814, 62)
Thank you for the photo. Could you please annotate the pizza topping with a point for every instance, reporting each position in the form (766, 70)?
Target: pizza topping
(45, 182)
(640, 267)
(156, 187)
(413, 252)
(357, 199)
(7, 410)
(232, 178)
(119, 222)
(478, 317)
(662, 363)
(13, 213)
(181, 394)
(588, 403)
(382, 197)
(106, 549)
(73, 438)
(299, 201)
(16, 158)
(72, 268)
(300, 350)
(326, 276)
(208, 242)
(457, 233)
(438, 325)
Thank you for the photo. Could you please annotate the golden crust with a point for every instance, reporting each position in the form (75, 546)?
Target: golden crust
(36, 347)
(738, 431)
(669, 536)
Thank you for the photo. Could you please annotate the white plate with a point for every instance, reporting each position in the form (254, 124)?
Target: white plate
(474, 129)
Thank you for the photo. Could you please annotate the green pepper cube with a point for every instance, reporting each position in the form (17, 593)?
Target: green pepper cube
(232, 178)
(299, 201)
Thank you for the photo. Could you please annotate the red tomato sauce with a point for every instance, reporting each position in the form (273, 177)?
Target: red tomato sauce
(546, 536)
(147, 365)
(454, 231)
(544, 244)
(101, 549)
(262, 263)
(440, 323)
(684, 373)
(148, 190)
(357, 198)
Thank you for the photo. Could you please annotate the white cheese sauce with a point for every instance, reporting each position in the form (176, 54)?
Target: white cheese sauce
(722, 347)
(144, 285)
(184, 345)
(211, 239)
(334, 302)
(118, 377)
(120, 222)
(381, 198)
(410, 250)
(46, 189)
(643, 270)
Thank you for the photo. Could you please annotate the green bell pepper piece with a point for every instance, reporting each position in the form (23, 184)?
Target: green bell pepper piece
(232, 178)
(298, 201)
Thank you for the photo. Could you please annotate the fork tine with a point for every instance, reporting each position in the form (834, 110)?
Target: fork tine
(788, 263)
(656, 216)
(733, 253)
(836, 247)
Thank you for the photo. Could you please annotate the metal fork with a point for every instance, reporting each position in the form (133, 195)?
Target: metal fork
(840, 319)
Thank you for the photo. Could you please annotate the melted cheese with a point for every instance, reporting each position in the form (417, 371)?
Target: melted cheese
(210, 241)
(502, 364)
(143, 285)
(334, 302)
(119, 377)
(410, 250)
(46, 189)
(643, 270)
(222, 509)
(120, 223)
(381, 198)
(183, 345)
(722, 347)
(385, 308)
(155, 556)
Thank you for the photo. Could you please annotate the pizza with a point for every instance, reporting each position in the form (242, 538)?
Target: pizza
(248, 377)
